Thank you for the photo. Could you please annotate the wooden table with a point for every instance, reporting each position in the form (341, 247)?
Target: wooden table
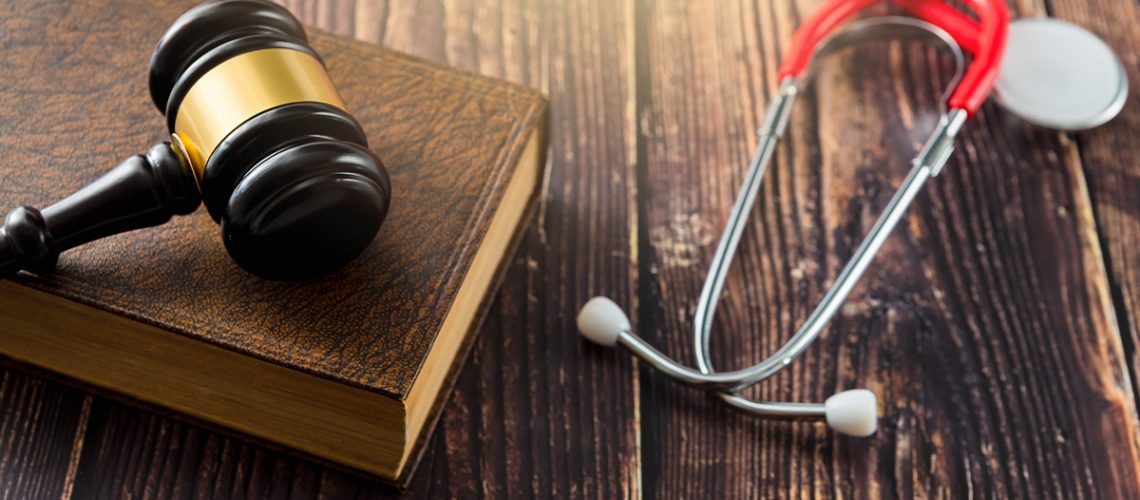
(998, 327)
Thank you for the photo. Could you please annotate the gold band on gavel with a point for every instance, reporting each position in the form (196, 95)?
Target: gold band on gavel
(243, 87)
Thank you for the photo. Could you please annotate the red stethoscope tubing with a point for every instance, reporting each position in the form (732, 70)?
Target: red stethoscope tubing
(984, 39)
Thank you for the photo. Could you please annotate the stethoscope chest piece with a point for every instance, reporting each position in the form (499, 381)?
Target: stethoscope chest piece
(1055, 74)
(1059, 75)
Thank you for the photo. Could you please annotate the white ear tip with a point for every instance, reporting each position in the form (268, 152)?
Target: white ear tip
(601, 321)
(853, 412)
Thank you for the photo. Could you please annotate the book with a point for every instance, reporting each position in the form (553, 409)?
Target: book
(353, 368)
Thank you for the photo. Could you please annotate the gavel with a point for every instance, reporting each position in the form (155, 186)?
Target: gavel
(259, 135)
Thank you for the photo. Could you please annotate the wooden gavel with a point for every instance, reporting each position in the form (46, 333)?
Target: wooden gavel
(259, 135)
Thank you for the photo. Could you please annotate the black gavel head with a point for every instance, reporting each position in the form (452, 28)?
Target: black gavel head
(280, 163)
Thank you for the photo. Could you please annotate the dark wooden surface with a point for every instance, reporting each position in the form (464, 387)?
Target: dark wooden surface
(478, 129)
(998, 326)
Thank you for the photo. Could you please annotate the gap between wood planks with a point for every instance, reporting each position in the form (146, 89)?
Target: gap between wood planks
(1115, 279)
(1107, 290)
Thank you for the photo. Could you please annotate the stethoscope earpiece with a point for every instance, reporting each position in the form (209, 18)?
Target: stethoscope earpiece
(854, 412)
(1059, 102)
(602, 321)
(851, 412)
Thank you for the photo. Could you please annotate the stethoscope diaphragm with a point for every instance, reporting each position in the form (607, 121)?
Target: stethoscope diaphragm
(1054, 74)
(1058, 75)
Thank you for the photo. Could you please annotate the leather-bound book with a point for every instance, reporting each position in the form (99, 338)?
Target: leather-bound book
(353, 368)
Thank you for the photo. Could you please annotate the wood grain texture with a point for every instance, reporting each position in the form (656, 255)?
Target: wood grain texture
(986, 326)
(529, 417)
(369, 325)
(41, 423)
(1110, 158)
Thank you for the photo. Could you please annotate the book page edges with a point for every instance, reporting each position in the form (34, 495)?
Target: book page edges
(333, 421)
(340, 423)
(475, 289)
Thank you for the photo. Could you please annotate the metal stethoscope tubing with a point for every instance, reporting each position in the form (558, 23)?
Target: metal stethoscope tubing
(851, 412)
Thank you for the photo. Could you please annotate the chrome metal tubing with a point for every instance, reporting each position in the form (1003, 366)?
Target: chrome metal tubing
(773, 409)
(768, 136)
(931, 158)
(775, 123)
(927, 163)
(674, 370)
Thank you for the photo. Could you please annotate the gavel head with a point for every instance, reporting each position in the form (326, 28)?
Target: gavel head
(280, 163)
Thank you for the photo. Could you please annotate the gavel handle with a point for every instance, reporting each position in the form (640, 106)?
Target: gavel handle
(142, 191)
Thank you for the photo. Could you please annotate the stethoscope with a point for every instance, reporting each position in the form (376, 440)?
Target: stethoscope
(1061, 76)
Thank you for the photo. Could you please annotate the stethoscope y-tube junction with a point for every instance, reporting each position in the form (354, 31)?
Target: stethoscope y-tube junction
(852, 412)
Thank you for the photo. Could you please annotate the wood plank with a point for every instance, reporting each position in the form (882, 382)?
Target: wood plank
(41, 423)
(1108, 155)
(533, 414)
(984, 325)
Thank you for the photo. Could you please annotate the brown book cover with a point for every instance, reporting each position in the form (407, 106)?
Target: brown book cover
(351, 368)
